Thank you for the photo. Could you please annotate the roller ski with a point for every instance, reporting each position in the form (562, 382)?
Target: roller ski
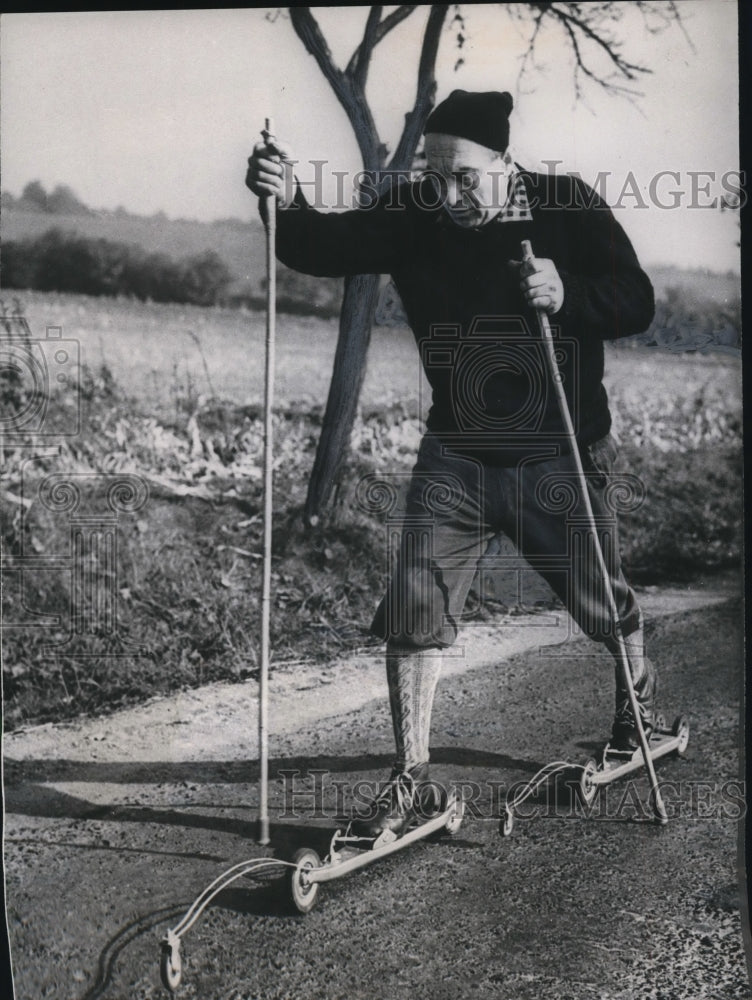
(617, 762)
(632, 732)
(624, 753)
(638, 736)
(408, 808)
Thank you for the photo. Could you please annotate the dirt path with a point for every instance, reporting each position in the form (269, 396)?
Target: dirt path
(114, 825)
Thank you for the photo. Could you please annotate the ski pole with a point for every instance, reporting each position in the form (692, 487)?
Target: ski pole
(548, 340)
(263, 709)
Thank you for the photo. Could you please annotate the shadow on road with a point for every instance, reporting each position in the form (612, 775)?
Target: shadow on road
(21, 772)
(120, 941)
(29, 790)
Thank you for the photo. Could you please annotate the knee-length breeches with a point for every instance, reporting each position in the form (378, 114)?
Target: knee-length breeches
(456, 506)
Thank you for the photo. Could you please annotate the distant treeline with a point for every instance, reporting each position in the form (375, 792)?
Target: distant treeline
(62, 260)
(68, 258)
(85, 254)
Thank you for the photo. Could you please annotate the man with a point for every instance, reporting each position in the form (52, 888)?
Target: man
(495, 457)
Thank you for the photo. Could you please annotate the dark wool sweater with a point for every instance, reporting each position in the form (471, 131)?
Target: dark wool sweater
(479, 342)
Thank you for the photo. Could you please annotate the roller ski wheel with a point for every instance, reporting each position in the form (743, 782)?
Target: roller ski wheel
(451, 806)
(302, 892)
(588, 790)
(170, 963)
(680, 730)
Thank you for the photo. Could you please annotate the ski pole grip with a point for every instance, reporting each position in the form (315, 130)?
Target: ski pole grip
(270, 202)
(269, 136)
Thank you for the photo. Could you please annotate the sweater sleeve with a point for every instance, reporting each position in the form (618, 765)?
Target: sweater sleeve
(331, 244)
(606, 292)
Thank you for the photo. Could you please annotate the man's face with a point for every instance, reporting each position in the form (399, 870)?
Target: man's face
(476, 178)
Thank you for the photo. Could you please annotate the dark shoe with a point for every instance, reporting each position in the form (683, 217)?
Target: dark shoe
(624, 735)
(396, 806)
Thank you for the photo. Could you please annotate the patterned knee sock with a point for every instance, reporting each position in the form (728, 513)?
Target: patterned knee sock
(412, 679)
(643, 672)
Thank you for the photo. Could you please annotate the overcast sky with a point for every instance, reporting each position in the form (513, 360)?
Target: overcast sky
(158, 110)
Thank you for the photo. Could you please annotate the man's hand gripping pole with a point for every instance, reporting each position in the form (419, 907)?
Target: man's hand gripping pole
(545, 330)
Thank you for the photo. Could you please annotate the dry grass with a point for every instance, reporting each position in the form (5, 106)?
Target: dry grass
(172, 394)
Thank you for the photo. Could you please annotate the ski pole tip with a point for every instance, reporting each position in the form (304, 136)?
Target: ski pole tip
(263, 831)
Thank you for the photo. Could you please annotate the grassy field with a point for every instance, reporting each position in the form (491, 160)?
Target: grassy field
(172, 394)
(160, 353)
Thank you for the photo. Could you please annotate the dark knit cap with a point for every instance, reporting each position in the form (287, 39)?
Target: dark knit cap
(482, 118)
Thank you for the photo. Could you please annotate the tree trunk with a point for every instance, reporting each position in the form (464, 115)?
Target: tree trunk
(348, 373)
(361, 291)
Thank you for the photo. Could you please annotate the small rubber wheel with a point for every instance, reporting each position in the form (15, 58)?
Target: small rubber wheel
(302, 892)
(681, 729)
(506, 824)
(588, 790)
(456, 815)
(659, 724)
(170, 966)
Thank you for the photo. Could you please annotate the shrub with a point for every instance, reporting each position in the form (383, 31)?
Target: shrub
(203, 277)
(684, 322)
(63, 201)
(34, 196)
(63, 261)
(692, 518)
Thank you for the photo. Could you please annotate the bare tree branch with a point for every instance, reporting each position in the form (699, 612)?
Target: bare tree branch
(384, 27)
(676, 17)
(308, 31)
(415, 119)
(393, 19)
(350, 96)
(579, 64)
(569, 15)
(529, 52)
(592, 26)
(365, 49)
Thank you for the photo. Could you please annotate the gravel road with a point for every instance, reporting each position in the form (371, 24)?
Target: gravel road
(114, 825)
